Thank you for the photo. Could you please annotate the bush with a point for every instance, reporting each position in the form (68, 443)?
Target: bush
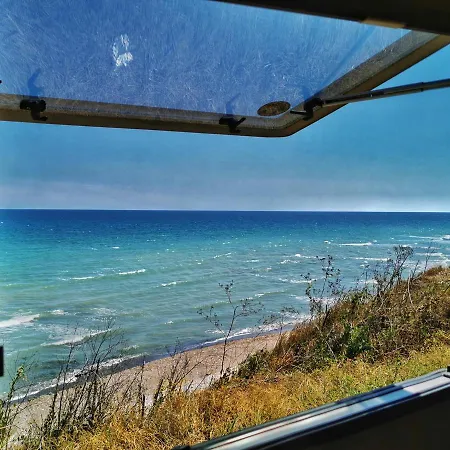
(9, 409)
(395, 316)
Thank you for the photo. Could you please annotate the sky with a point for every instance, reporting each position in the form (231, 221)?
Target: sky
(384, 155)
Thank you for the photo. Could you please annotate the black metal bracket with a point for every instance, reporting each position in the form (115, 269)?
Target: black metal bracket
(308, 108)
(311, 105)
(232, 123)
(36, 107)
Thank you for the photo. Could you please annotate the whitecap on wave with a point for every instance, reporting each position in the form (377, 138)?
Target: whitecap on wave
(71, 378)
(132, 272)
(104, 311)
(221, 255)
(75, 339)
(85, 278)
(18, 320)
(293, 281)
(288, 261)
(288, 319)
(360, 258)
(111, 274)
(172, 283)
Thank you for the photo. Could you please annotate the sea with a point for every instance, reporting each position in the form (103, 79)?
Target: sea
(154, 275)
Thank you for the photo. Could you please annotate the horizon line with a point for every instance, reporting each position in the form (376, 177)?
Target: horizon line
(228, 210)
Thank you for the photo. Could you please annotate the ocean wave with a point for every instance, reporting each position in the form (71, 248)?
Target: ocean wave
(75, 339)
(221, 255)
(289, 261)
(71, 378)
(295, 317)
(360, 258)
(287, 319)
(264, 294)
(103, 275)
(12, 285)
(244, 332)
(131, 347)
(132, 272)
(173, 283)
(18, 320)
(369, 281)
(298, 255)
(91, 277)
(357, 244)
(115, 248)
(104, 311)
(292, 281)
(293, 261)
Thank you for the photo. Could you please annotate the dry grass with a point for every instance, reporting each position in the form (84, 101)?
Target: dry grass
(188, 419)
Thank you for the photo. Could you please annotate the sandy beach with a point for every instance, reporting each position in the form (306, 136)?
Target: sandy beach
(200, 367)
(204, 364)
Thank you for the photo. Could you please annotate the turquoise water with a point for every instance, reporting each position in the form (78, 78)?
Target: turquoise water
(63, 273)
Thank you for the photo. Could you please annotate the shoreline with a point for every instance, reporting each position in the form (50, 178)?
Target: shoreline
(201, 365)
(119, 365)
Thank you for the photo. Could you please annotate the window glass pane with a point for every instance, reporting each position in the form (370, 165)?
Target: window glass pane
(195, 56)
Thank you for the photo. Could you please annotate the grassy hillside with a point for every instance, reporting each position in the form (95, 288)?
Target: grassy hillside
(189, 419)
(384, 331)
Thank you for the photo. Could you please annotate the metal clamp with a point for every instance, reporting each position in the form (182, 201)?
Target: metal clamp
(232, 123)
(36, 107)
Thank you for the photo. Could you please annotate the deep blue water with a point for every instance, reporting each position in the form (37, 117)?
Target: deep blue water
(63, 273)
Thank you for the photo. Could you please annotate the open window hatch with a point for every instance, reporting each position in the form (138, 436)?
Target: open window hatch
(208, 67)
